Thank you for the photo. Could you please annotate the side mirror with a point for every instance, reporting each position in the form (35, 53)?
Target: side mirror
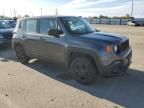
(55, 32)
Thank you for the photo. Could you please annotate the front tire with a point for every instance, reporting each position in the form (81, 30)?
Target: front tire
(21, 54)
(83, 70)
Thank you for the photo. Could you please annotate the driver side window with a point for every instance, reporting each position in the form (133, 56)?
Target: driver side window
(47, 24)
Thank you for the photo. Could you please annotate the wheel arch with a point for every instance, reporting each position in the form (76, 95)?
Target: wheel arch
(79, 53)
(16, 44)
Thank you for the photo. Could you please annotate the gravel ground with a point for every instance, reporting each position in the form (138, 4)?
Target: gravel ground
(45, 85)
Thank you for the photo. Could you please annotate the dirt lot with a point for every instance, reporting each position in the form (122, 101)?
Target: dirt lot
(43, 85)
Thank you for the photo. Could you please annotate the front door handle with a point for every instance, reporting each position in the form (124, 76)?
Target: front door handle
(23, 36)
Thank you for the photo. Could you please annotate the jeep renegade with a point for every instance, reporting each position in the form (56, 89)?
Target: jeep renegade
(72, 41)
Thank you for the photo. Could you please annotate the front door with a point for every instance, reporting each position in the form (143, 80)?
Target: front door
(53, 47)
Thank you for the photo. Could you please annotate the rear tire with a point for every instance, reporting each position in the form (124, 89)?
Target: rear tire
(21, 54)
(83, 70)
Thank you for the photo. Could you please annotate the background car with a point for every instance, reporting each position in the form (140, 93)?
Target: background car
(73, 42)
(12, 23)
(5, 33)
(132, 23)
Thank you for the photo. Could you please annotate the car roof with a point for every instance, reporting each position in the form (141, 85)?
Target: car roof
(38, 17)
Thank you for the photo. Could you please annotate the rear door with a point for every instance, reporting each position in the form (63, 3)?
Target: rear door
(32, 38)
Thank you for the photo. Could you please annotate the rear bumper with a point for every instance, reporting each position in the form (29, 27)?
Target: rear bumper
(118, 66)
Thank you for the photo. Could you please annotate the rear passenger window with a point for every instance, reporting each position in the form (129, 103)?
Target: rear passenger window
(46, 24)
(31, 26)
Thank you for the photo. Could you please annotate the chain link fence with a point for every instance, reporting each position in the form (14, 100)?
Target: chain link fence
(110, 21)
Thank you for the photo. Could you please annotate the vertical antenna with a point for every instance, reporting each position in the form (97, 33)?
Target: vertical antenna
(56, 18)
(132, 9)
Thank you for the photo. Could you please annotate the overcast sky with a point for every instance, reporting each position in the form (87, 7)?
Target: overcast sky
(72, 7)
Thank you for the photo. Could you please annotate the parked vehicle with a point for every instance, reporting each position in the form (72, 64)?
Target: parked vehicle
(12, 23)
(73, 42)
(132, 23)
(5, 33)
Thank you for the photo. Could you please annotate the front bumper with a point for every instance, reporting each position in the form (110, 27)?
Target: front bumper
(5, 42)
(118, 66)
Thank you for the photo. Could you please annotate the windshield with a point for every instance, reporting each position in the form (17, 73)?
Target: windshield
(12, 23)
(77, 25)
(4, 24)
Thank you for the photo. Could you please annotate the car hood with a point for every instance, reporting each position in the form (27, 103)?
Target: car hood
(7, 33)
(8, 30)
(106, 37)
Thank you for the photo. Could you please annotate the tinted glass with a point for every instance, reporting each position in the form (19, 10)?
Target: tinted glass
(12, 23)
(31, 26)
(47, 24)
(4, 25)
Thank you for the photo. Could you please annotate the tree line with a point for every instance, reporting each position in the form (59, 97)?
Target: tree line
(127, 16)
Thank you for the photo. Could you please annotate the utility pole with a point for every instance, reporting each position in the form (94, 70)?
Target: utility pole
(132, 9)
(10, 12)
(31, 14)
(57, 18)
(56, 12)
(41, 11)
(15, 13)
(3, 12)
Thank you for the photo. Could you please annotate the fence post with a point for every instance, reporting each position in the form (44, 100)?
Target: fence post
(91, 21)
(109, 20)
(100, 20)
(120, 21)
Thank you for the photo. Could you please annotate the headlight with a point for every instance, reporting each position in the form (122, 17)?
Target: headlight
(115, 48)
(1, 36)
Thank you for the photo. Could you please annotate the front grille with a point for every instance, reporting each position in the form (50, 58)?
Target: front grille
(7, 35)
(123, 46)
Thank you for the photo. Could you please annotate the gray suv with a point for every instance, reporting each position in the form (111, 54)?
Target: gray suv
(72, 41)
